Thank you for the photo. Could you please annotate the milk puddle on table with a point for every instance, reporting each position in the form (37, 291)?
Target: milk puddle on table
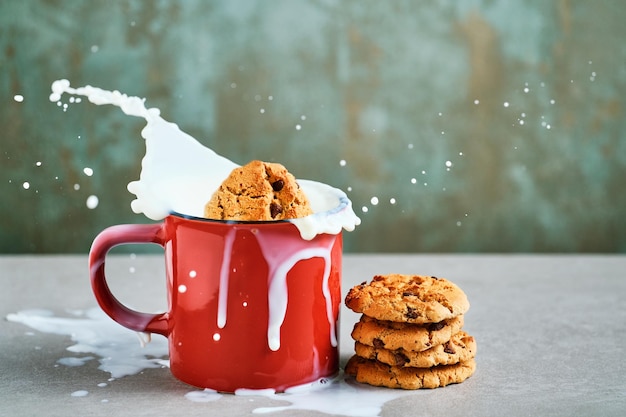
(123, 353)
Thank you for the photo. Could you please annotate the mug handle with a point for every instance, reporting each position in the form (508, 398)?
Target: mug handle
(102, 244)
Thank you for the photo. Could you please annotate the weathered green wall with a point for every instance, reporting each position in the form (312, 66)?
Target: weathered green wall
(525, 99)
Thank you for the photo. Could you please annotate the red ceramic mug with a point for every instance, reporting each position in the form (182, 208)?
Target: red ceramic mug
(251, 305)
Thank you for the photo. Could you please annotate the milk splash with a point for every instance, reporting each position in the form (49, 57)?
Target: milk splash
(121, 355)
(179, 174)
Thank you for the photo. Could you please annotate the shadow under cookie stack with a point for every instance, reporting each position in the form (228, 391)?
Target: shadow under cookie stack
(410, 333)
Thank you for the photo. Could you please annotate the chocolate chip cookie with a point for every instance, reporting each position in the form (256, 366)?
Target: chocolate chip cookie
(258, 191)
(408, 298)
(460, 348)
(380, 374)
(412, 337)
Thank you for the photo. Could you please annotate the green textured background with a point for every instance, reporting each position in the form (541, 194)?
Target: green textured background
(525, 100)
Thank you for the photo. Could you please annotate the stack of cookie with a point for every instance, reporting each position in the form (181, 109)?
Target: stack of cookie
(410, 333)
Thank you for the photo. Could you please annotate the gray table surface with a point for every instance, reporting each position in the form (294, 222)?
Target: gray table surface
(550, 329)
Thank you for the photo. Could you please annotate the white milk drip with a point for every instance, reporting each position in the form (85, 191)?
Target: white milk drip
(280, 262)
(280, 259)
(222, 304)
(178, 174)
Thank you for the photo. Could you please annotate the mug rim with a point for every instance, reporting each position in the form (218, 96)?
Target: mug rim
(344, 203)
(221, 221)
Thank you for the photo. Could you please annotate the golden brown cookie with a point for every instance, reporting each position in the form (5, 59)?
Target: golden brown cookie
(258, 191)
(393, 335)
(382, 375)
(460, 348)
(408, 298)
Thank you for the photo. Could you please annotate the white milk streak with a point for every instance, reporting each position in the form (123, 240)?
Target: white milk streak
(280, 260)
(222, 301)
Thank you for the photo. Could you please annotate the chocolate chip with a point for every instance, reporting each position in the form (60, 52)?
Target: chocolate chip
(275, 209)
(378, 344)
(449, 348)
(408, 294)
(411, 313)
(400, 359)
(278, 185)
(433, 277)
(433, 327)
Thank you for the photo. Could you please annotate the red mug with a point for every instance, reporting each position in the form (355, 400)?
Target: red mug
(251, 305)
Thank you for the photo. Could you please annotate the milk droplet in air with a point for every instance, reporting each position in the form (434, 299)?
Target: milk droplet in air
(92, 202)
(88, 171)
(182, 289)
(342, 163)
(26, 185)
(18, 97)
(374, 201)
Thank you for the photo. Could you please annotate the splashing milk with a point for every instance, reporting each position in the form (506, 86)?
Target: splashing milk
(178, 174)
